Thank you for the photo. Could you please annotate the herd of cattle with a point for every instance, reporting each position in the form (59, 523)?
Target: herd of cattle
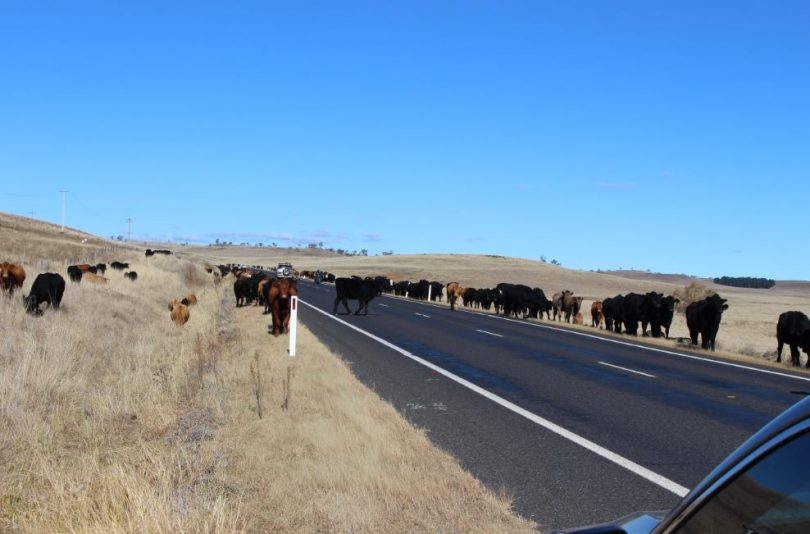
(622, 313)
(49, 288)
(261, 287)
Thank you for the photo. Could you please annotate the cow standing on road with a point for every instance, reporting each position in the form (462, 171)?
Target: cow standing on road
(363, 291)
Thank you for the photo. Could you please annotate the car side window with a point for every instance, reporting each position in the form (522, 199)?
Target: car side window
(772, 495)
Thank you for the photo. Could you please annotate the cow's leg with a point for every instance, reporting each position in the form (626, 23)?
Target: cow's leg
(334, 308)
(794, 356)
(779, 346)
(644, 329)
(346, 305)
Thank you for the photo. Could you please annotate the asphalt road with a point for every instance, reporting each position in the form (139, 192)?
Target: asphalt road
(639, 425)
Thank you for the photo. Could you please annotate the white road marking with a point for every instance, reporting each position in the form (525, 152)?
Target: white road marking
(626, 369)
(490, 333)
(384, 305)
(639, 470)
(422, 314)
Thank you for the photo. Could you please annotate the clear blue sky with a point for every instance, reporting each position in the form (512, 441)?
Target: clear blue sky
(669, 135)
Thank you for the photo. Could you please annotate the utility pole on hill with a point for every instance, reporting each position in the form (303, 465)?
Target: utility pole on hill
(129, 229)
(64, 192)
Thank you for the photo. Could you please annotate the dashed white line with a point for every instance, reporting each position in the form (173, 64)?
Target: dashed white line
(490, 333)
(422, 315)
(384, 305)
(626, 369)
(630, 465)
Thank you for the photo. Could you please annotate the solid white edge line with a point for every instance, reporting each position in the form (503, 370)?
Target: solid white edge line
(490, 333)
(631, 466)
(626, 369)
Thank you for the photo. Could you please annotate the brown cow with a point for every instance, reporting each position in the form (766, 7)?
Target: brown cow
(189, 299)
(557, 301)
(578, 318)
(179, 313)
(454, 291)
(12, 275)
(596, 314)
(173, 303)
(85, 267)
(279, 298)
(570, 306)
(94, 278)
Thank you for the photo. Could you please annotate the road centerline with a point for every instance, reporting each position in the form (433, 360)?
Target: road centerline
(626, 369)
(587, 444)
(487, 332)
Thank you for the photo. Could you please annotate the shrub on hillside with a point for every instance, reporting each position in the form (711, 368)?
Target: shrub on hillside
(746, 281)
(692, 292)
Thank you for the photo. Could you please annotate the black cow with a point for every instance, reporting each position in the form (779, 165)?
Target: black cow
(101, 268)
(132, 275)
(419, 290)
(651, 313)
(363, 291)
(703, 317)
(632, 312)
(149, 252)
(241, 290)
(118, 266)
(613, 309)
(666, 313)
(793, 328)
(48, 287)
(468, 297)
(74, 273)
(436, 291)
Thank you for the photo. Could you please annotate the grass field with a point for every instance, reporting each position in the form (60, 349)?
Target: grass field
(747, 330)
(114, 419)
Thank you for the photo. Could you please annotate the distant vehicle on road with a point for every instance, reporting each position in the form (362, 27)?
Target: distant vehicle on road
(285, 270)
(762, 487)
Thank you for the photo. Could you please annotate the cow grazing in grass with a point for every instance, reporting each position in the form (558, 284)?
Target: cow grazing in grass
(12, 276)
(189, 300)
(793, 328)
(101, 268)
(132, 275)
(47, 287)
(596, 314)
(362, 291)
(703, 317)
(119, 266)
(454, 291)
(74, 273)
(94, 278)
(280, 296)
(179, 312)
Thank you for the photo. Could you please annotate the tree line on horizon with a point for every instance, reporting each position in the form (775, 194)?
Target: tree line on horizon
(746, 281)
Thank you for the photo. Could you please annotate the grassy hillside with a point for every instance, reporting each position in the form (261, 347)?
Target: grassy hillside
(115, 420)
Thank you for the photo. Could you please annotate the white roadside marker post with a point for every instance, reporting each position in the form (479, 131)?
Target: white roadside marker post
(293, 323)
(430, 291)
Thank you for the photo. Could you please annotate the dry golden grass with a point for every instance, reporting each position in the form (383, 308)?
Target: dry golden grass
(93, 402)
(113, 419)
(747, 331)
(337, 459)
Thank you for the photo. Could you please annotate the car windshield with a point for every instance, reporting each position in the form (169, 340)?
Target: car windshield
(772, 496)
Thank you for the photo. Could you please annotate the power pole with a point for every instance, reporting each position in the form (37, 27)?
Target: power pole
(64, 192)
(129, 229)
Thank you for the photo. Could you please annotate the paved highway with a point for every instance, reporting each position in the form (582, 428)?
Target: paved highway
(577, 428)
